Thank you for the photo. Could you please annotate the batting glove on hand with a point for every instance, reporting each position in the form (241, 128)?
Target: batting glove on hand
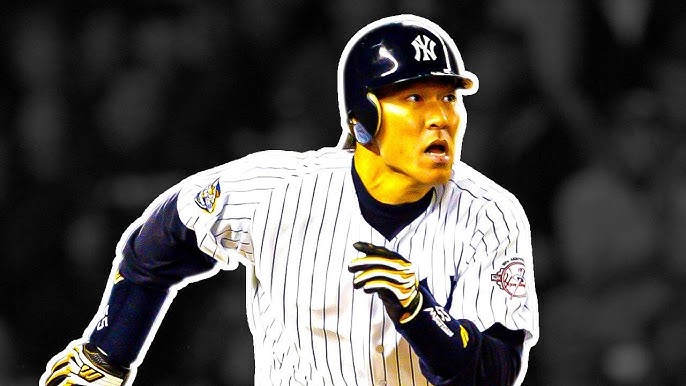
(84, 364)
(390, 275)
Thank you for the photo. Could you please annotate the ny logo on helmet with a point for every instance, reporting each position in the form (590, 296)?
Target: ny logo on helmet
(423, 45)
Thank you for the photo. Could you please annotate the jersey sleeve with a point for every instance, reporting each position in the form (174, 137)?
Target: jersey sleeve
(220, 205)
(222, 230)
(504, 269)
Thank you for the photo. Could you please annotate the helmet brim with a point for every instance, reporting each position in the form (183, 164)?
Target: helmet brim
(459, 81)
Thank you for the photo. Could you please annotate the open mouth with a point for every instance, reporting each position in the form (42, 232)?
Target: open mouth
(436, 148)
(438, 151)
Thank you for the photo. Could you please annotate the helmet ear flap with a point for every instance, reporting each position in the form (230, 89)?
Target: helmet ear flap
(360, 132)
(368, 117)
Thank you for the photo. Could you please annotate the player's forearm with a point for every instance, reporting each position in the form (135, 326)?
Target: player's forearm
(130, 314)
(455, 352)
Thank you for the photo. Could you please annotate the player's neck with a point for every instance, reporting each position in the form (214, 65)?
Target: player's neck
(385, 184)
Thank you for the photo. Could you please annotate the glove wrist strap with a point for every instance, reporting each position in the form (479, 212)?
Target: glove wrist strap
(99, 358)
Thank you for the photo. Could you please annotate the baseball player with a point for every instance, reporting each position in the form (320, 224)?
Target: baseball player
(382, 261)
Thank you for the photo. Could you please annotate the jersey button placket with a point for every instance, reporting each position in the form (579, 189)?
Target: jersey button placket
(380, 351)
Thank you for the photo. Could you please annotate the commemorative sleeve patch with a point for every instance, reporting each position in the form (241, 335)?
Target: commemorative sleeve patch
(511, 277)
(206, 199)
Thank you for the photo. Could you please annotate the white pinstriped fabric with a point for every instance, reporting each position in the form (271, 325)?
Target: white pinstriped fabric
(291, 219)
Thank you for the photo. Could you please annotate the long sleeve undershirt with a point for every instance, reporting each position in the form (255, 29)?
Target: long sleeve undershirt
(159, 254)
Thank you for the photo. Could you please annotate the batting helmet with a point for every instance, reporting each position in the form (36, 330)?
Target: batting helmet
(386, 52)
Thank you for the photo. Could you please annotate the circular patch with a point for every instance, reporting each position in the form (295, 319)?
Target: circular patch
(511, 279)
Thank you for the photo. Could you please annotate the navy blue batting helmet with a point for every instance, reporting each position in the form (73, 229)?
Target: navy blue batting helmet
(386, 52)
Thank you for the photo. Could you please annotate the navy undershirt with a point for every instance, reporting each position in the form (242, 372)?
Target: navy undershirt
(388, 219)
(159, 254)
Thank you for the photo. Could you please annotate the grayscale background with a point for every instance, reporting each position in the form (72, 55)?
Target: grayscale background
(580, 114)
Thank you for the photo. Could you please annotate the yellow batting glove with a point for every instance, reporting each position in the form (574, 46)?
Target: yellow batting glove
(82, 364)
(391, 276)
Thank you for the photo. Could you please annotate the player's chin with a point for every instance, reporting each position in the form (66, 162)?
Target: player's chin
(435, 175)
(441, 178)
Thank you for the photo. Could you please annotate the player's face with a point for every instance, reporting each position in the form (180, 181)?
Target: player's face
(419, 123)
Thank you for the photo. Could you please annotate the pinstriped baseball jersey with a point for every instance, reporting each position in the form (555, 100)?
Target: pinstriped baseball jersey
(292, 218)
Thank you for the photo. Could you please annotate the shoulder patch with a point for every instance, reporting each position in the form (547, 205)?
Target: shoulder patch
(511, 277)
(207, 198)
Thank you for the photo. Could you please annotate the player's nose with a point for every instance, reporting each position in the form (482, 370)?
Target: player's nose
(439, 116)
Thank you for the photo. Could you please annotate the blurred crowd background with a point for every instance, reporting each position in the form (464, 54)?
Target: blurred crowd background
(580, 113)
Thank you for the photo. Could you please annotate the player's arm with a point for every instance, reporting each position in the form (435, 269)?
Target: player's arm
(454, 351)
(451, 351)
(157, 254)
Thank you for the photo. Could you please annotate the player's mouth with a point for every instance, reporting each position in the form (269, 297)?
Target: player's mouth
(438, 151)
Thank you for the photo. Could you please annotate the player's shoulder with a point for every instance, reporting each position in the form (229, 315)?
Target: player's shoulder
(307, 161)
(255, 176)
(272, 166)
(482, 188)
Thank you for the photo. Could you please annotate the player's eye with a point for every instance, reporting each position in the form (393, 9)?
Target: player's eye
(414, 98)
(450, 98)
